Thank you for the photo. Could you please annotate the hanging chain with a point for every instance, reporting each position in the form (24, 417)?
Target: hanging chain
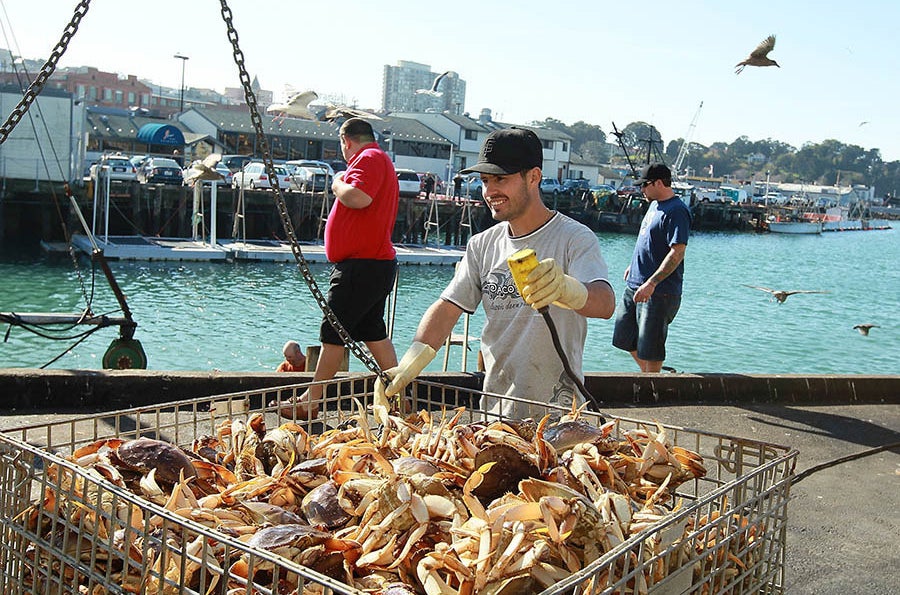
(263, 143)
(34, 89)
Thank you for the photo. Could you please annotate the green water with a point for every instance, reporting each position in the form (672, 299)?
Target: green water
(235, 317)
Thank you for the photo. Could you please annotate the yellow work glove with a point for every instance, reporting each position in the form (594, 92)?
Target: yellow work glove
(548, 284)
(411, 365)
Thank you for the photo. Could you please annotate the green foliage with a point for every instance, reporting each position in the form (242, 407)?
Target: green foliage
(828, 162)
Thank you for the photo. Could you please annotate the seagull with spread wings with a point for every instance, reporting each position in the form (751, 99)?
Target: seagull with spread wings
(342, 112)
(204, 170)
(865, 328)
(433, 91)
(781, 295)
(296, 106)
(759, 56)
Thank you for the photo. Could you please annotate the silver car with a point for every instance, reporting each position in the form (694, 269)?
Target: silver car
(255, 177)
(116, 167)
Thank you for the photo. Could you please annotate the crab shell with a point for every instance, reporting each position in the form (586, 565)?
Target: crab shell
(321, 508)
(145, 454)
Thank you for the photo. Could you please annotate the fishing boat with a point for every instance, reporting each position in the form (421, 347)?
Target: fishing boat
(795, 226)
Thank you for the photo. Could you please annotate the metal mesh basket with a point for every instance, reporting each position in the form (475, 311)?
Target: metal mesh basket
(71, 530)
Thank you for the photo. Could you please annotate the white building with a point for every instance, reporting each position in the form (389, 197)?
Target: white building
(54, 126)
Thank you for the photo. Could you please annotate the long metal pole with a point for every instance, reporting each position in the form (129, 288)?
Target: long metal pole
(212, 213)
(106, 185)
(183, 60)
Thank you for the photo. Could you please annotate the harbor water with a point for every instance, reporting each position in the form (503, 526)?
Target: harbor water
(236, 316)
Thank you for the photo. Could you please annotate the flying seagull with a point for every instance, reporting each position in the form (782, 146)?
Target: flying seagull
(433, 91)
(865, 328)
(204, 170)
(342, 112)
(758, 57)
(297, 106)
(781, 295)
(864, 122)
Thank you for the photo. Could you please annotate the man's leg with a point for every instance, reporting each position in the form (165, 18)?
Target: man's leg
(653, 318)
(383, 352)
(647, 366)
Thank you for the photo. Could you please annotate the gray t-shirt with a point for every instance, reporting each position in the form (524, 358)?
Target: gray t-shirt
(519, 356)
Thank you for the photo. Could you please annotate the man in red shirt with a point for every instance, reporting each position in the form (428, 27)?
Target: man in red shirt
(358, 242)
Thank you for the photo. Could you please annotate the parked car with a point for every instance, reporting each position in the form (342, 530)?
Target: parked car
(117, 167)
(227, 174)
(337, 165)
(160, 170)
(235, 162)
(551, 186)
(255, 177)
(575, 188)
(409, 182)
(309, 163)
(310, 178)
(473, 187)
(138, 160)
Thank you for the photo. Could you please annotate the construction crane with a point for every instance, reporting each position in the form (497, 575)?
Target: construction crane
(682, 152)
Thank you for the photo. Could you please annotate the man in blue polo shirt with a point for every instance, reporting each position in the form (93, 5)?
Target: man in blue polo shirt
(654, 278)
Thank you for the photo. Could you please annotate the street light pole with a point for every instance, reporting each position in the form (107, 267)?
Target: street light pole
(183, 60)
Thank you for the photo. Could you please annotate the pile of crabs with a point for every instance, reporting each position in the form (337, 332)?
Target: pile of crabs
(421, 504)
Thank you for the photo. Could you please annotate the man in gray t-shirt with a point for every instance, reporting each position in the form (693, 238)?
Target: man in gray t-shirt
(520, 360)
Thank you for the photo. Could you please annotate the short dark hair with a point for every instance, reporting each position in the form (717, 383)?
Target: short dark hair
(358, 129)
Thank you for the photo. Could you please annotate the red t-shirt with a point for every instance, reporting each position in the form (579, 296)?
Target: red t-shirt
(365, 233)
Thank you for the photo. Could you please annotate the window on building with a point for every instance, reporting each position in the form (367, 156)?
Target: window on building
(565, 147)
(548, 144)
(92, 93)
(107, 95)
(131, 97)
(119, 96)
(279, 147)
(79, 91)
(471, 135)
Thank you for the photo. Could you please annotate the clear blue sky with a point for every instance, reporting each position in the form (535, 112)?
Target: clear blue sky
(598, 62)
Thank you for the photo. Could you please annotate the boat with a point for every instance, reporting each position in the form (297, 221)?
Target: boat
(795, 226)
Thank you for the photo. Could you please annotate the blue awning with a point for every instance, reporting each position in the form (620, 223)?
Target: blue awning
(160, 134)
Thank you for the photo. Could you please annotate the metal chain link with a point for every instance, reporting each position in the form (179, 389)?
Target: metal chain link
(263, 143)
(35, 88)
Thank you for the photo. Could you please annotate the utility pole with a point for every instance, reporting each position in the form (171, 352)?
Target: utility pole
(183, 60)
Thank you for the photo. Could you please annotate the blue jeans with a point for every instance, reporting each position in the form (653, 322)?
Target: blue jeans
(643, 327)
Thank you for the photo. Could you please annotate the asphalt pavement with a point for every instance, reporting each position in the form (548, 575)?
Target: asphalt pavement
(843, 521)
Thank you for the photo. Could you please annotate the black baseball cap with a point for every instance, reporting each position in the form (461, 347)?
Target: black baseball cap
(653, 172)
(509, 151)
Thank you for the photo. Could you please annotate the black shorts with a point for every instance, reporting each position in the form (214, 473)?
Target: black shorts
(643, 327)
(357, 294)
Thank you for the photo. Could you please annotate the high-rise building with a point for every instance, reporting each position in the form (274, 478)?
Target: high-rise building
(403, 80)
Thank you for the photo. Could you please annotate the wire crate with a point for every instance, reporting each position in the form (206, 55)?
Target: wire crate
(70, 529)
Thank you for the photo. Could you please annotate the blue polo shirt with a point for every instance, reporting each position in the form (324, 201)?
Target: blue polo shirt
(665, 224)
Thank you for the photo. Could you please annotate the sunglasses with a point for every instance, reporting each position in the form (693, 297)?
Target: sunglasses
(647, 183)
